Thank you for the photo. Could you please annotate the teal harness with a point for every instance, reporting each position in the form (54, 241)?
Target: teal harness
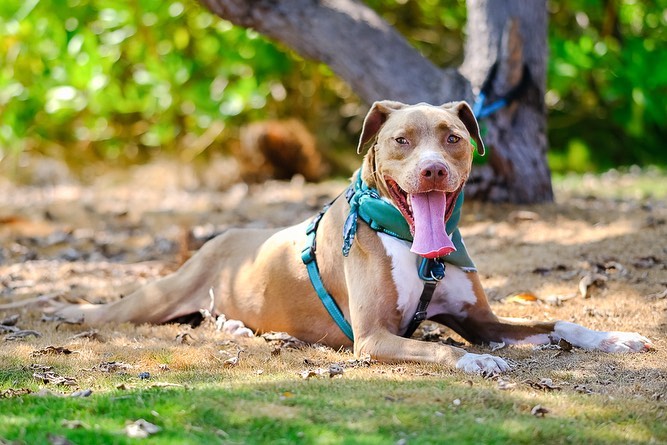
(381, 216)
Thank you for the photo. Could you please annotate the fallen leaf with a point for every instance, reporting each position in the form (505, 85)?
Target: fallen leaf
(73, 424)
(5, 329)
(521, 298)
(583, 389)
(92, 334)
(82, 393)
(539, 411)
(544, 384)
(589, 280)
(10, 321)
(308, 374)
(58, 440)
(12, 392)
(496, 345)
(283, 340)
(647, 262)
(53, 378)
(505, 385)
(658, 295)
(113, 366)
(335, 369)
(184, 338)
(523, 215)
(22, 335)
(51, 350)
(141, 429)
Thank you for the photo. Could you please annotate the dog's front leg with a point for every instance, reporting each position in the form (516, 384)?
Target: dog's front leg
(376, 321)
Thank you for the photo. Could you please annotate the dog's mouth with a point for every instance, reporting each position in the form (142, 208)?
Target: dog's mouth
(427, 214)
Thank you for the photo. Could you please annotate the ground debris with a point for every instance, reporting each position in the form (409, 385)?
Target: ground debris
(14, 392)
(50, 377)
(545, 384)
(51, 350)
(141, 429)
(590, 280)
(92, 334)
(113, 366)
(539, 411)
(22, 335)
(282, 340)
(10, 321)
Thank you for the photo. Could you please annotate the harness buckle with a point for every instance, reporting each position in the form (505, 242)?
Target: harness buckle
(431, 270)
(419, 316)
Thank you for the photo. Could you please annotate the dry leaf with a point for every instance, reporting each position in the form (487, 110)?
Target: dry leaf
(539, 411)
(335, 369)
(82, 393)
(58, 440)
(141, 429)
(10, 321)
(53, 378)
(589, 280)
(544, 384)
(51, 350)
(73, 424)
(658, 295)
(113, 366)
(505, 385)
(185, 338)
(12, 392)
(22, 334)
(521, 298)
(92, 334)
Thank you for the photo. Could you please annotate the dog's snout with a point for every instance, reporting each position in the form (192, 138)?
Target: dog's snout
(434, 170)
(433, 175)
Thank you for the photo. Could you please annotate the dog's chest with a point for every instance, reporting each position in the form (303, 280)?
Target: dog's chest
(452, 295)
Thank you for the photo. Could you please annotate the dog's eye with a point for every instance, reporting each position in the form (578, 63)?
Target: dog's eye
(453, 139)
(401, 141)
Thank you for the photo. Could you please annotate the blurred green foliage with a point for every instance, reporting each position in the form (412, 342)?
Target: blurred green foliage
(121, 80)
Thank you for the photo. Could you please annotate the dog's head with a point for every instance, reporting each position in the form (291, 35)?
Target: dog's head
(419, 159)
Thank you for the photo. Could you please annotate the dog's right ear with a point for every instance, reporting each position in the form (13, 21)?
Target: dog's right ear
(374, 120)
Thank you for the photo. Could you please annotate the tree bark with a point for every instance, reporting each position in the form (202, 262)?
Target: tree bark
(511, 32)
(378, 63)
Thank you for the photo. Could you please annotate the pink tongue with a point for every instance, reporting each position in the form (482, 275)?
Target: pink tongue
(431, 240)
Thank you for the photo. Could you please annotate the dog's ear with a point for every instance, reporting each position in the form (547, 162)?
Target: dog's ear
(374, 120)
(464, 112)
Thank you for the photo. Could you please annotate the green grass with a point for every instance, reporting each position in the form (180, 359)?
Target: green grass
(237, 408)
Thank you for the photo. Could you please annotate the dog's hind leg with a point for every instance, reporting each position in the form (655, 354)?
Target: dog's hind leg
(463, 306)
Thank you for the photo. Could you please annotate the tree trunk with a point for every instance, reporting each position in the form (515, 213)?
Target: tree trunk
(378, 63)
(511, 32)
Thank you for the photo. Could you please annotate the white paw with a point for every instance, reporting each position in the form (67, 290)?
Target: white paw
(485, 364)
(624, 342)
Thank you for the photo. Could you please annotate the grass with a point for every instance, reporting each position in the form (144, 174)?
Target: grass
(285, 409)
(265, 400)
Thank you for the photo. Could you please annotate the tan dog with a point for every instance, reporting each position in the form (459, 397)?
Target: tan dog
(419, 160)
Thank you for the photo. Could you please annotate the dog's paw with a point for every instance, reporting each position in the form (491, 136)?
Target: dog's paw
(485, 364)
(624, 342)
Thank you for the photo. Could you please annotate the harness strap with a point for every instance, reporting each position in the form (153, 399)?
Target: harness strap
(309, 259)
(430, 272)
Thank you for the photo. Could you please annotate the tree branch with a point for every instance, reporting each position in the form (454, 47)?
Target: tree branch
(332, 31)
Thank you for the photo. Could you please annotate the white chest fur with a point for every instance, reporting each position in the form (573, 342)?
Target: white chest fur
(451, 295)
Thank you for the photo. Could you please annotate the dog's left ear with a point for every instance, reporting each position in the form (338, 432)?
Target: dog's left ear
(374, 120)
(463, 110)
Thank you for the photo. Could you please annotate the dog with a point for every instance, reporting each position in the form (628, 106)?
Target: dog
(341, 281)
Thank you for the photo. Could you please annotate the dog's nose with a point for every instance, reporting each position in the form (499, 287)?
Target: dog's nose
(433, 175)
(434, 170)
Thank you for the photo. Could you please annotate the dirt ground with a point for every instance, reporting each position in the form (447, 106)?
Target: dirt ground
(589, 258)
